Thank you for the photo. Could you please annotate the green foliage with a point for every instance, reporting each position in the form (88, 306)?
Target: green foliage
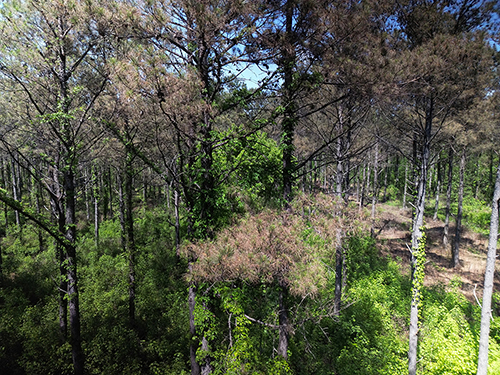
(367, 337)
(419, 271)
(372, 329)
(257, 163)
(477, 214)
(362, 257)
(449, 333)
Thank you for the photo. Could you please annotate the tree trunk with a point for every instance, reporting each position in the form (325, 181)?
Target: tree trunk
(177, 219)
(386, 178)
(448, 197)
(339, 265)
(458, 228)
(375, 182)
(405, 189)
(482, 363)
(74, 306)
(121, 207)
(5, 174)
(418, 240)
(339, 176)
(95, 196)
(195, 367)
(283, 324)
(290, 117)
(37, 192)
(365, 185)
(478, 177)
(57, 213)
(438, 190)
(15, 189)
(131, 247)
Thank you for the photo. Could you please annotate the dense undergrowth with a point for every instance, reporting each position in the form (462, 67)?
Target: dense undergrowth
(368, 336)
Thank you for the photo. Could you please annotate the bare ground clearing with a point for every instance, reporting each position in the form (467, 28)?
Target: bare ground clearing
(393, 230)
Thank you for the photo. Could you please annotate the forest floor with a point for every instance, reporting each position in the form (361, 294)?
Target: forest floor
(393, 233)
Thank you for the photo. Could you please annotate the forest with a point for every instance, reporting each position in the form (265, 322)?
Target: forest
(249, 187)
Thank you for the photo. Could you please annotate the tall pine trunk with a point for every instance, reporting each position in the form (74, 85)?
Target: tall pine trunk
(130, 238)
(375, 182)
(448, 197)
(482, 363)
(438, 190)
(418, 239)
(458, 228)
(73, 295)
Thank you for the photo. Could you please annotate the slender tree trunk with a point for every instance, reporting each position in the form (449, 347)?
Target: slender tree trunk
(458, 228)
(339, 176)
(131, 247)
(58, 215)
(358, 183)
(375, 182)
(448, 197)
(86, 195)
(37, 197)
(283, 324)
(365, 185)
(195, 367)
(95, 196)
(15, 189)
(490, 174)
(74, 305)
(339, 265)
(177, 219)
(121, 207)
(110, 193)
(5, 174)
(346, 170)
(438, 190)
(386, 178)
(418, 240)
(289, 119)
(482, 363)
(405, 189)
(478, 177)
(68, 175)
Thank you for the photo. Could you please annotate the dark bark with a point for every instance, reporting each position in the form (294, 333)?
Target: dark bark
(15, 188)
(5, 174)
(375, 181)
(405, 189)
(339, 265)
(482, 363)
(37, 192)
(448, 197)
(386, 178)
(284, 333)
(195, 366)
(121, 207)
(95, 198)
(71, 261)
(477, 181)
(177, 219)
(455, 262)
(365, 186)
(289, 116)
(438, 189)
(130, 236)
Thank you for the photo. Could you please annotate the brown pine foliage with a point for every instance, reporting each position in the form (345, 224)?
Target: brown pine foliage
(291, 248)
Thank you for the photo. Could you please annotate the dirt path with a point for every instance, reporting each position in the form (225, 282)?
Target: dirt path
(393, 234)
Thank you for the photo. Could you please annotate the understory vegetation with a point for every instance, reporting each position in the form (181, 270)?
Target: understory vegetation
(367, 336)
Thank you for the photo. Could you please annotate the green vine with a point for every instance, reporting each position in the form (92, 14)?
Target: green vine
(419, 272)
